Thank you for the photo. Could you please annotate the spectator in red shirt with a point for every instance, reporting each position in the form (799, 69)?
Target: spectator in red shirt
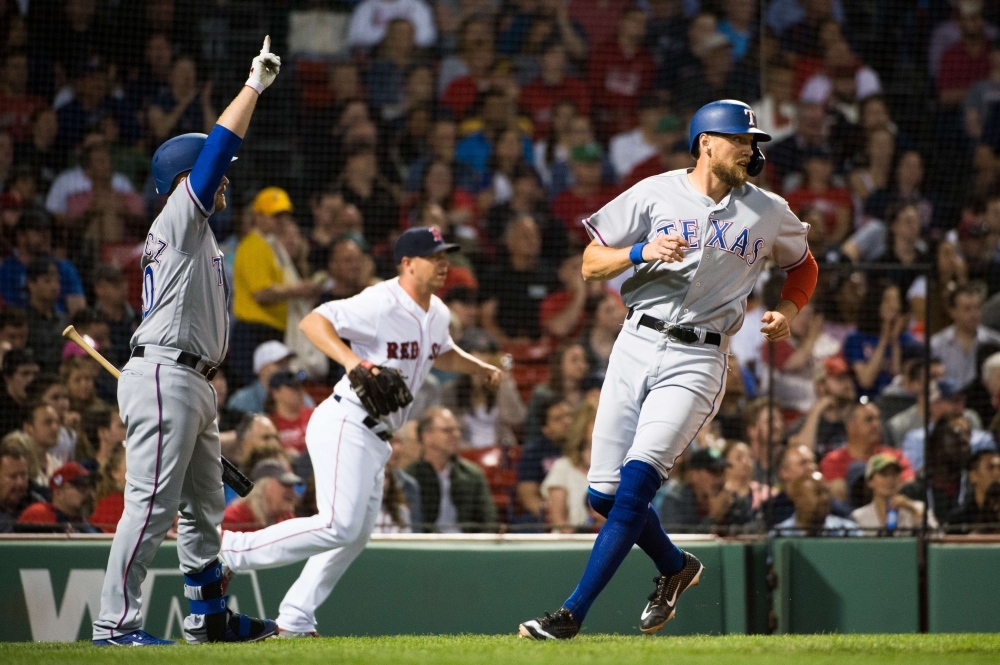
(864, 439)
(563, 314)
(967, 61)
(818, 192)
(271, 501)
(72, 487)
(586, 196)
(110, 493)
(620, 73)
(598, 18)
(552, 86)
(285, 406)
(477, 56)
(16, 105)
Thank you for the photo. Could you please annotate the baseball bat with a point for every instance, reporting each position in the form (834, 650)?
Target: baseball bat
(71, 334)
(231, 475)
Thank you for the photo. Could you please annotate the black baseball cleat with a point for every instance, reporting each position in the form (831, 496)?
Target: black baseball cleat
(558, 626)
(663, 601)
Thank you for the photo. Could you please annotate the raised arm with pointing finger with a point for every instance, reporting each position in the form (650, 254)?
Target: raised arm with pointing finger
(167, 403)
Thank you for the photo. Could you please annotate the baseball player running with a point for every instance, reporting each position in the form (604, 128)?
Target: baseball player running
(696, 240)
(172, 445)
(398, 330)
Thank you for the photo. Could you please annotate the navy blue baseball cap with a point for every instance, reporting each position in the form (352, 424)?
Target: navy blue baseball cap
(421, 241)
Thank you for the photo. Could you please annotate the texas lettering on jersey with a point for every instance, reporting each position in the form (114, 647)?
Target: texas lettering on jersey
(723, 236)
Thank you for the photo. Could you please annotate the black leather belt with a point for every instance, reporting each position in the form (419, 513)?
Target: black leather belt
(185, 358)
(675, 332)
(371, 423)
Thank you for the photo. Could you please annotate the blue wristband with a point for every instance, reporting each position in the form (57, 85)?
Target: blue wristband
(635, 254)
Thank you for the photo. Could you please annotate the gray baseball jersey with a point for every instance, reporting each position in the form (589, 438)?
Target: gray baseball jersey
(728, 242)
(172, 448)
(184, 287)
(658, 393)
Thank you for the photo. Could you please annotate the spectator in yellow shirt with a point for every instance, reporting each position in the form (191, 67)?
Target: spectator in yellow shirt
(260, 294)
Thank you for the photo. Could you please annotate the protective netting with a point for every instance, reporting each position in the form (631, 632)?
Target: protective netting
(505, 124)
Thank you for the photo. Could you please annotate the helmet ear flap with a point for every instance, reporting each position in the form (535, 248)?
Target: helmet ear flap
(757, 161)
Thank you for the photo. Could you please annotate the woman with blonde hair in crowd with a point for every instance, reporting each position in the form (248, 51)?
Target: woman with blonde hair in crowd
(565, 486)
(748, 494)
(78, 374)
(109, 495)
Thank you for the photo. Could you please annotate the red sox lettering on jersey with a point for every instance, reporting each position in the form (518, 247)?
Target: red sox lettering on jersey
(409, 350)
(385, 326)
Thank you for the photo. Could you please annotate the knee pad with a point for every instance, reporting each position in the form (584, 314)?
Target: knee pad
(640, 482)
(600, 502)
(204, 593)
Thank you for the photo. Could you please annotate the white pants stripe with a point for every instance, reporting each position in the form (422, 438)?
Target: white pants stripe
(172, 457)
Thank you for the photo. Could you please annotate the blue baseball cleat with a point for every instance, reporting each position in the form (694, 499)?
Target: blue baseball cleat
(138, 638)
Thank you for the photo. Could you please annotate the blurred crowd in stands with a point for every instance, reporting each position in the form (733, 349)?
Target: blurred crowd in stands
(505, 123)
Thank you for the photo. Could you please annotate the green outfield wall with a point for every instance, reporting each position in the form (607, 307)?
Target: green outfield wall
(50, 590)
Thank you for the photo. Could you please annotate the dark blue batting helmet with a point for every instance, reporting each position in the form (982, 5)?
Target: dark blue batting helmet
(175, 157)
(729, 116)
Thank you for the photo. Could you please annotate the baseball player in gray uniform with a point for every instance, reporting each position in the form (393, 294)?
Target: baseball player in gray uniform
(172, 447)
(695, 239)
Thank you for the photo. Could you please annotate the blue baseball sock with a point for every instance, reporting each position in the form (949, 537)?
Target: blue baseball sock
(653, 540)
(626, 520)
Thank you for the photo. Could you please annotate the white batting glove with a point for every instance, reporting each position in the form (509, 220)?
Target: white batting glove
(265, 68)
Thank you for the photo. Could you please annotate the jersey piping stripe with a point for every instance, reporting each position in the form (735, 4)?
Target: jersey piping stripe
(722, 385)
(796, 263)
(333, 503)
(194, 198)
(596, 233)
(152, 499)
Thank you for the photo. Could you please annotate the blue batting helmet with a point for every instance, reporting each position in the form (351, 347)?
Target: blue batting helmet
(175, 157)
(729, 116)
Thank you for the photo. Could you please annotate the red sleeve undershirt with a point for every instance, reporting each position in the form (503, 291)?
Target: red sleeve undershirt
(801, 282)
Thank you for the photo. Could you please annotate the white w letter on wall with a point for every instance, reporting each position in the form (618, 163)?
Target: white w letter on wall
(49, 623)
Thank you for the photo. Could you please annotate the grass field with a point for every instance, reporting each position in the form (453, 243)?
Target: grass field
(503, 650)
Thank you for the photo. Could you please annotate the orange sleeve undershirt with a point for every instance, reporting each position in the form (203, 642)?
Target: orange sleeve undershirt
(801, 282)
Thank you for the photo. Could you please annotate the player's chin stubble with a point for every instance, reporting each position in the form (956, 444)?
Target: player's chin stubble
(732, 175)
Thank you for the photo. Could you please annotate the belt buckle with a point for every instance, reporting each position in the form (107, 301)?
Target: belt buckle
(680, 334)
